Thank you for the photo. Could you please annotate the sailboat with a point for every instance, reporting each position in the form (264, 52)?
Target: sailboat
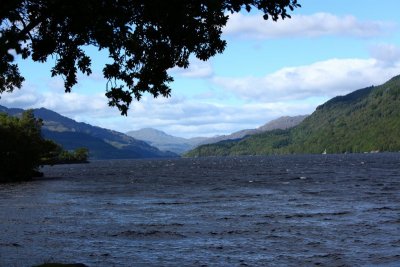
(324, 153)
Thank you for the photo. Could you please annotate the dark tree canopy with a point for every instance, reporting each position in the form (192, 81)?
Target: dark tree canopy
(22, 147)
(144, 38)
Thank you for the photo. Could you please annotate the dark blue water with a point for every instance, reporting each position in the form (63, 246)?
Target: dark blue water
(329, 210)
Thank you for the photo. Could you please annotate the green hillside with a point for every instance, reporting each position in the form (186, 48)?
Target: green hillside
(362, 121)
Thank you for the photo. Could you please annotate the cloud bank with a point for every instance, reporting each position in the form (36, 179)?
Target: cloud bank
(321, 79)
(288, 91)
(196, 69)
(179, 116)
(316, 25)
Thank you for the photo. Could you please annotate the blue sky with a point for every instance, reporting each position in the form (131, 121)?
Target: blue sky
(268, 70)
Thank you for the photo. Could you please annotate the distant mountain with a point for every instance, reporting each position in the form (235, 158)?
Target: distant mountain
(179, 145)
(165, 142)
(102, 143)
(363, 121)
(279, 123)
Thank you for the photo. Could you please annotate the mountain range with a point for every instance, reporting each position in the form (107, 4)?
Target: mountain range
(145, 143)
(366, 120)
(102, 143)
(164, 141)
(179, 145)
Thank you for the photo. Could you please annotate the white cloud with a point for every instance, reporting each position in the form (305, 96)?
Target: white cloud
(197, 69)
(322, 79)
(73, 103)
(176, 115)
(189, 117)
(69, 104)
(386, 54)
(289, 91)
(318, 24)
(24, 98)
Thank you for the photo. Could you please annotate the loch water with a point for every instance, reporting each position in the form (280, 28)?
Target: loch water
(295, 210)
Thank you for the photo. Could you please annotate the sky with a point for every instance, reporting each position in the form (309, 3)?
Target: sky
(268, 69)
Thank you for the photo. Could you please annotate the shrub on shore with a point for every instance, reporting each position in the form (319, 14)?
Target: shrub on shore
(23, 149)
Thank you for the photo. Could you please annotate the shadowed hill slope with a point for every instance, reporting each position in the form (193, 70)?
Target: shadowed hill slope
(102, 143)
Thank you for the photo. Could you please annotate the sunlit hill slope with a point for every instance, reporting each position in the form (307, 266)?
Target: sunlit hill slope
(363, 121)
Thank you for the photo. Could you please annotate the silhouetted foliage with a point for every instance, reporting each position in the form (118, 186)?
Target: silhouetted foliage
(22, 147)
(143, 38)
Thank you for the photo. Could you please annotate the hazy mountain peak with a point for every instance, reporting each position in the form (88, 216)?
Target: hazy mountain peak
(166, 142)
(162, 140)
(154, 135)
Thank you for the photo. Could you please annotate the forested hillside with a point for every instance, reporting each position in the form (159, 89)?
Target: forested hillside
(363, 121)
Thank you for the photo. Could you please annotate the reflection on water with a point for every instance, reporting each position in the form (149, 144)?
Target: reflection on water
(287, 210)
